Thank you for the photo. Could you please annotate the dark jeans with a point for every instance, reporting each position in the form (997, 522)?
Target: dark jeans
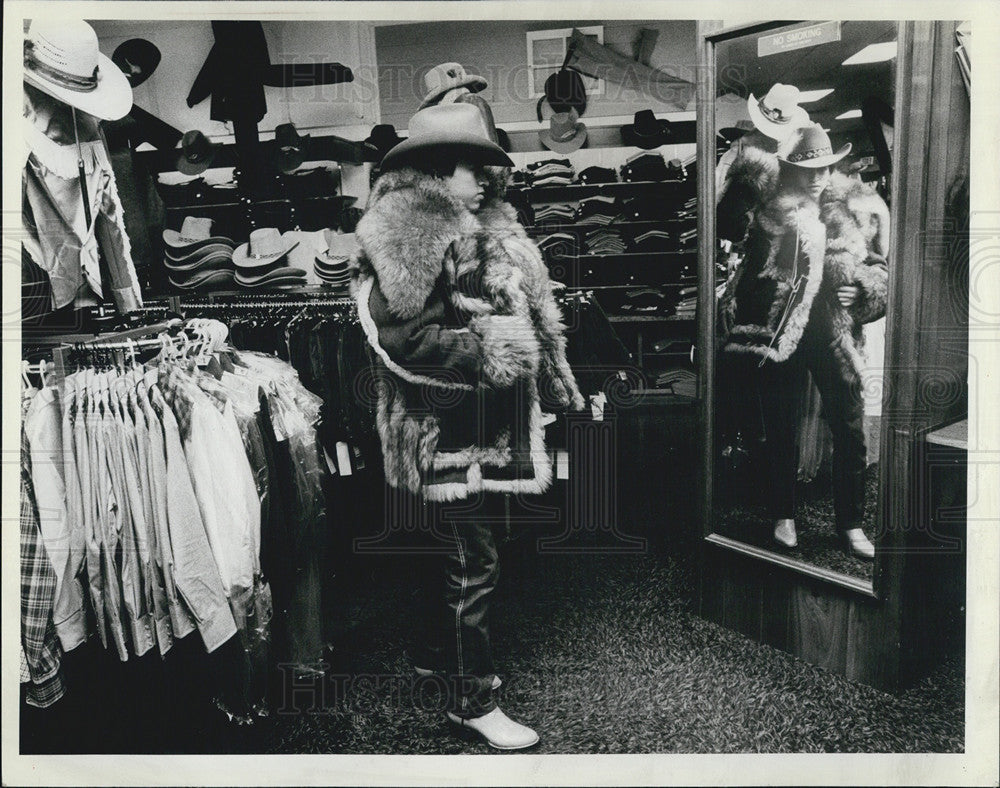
(780, 389)
(459, 569)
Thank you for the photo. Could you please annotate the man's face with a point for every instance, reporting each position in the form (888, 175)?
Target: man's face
(812, 180)
(467, 183)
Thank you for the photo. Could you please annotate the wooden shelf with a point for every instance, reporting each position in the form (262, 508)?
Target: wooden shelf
(649, 319)
(580, 191)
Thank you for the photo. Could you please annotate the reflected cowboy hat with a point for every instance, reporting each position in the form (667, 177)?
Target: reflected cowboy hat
(810, 147)
(448, 76)
(778, 113)
(61, 59)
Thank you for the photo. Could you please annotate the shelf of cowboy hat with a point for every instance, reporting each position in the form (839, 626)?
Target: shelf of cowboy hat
(577, 191)
(348, 201)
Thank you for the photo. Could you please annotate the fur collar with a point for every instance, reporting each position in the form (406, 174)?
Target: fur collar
(788, 209)
(410, 221)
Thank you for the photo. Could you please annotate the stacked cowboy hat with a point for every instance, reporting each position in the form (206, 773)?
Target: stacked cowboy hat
(459, 129)
(646, 130)
(332, 266)
(448, 76)
(262, 262)
(778, 113)
(565, 133)
(197, 260)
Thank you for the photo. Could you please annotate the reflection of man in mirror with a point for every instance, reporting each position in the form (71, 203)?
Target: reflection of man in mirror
(75, 242)
(774, 118)
(814, 272)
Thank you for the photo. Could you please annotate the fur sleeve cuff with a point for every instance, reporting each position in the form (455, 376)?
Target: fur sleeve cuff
(509, 349)
(873, 279)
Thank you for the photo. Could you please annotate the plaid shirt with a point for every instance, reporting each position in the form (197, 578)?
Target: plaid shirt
(40, 650)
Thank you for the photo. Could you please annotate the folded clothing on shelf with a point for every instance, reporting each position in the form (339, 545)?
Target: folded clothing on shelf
(645, 167)
(592, 175)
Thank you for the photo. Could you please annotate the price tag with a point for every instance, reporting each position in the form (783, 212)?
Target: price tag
(562, 464)
(343, 458)
(330, 463)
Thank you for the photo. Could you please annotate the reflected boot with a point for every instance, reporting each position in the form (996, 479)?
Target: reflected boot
(784, 533)
(496, 729)
(857, 544)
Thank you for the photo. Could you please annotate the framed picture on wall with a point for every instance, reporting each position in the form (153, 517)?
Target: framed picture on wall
(547, 52)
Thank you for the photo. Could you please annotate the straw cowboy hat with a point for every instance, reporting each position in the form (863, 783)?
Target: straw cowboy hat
(459, 128)
(195, 233)
(565, 133)
(810, 147)
(778, 113)
(265, 247)
(448, 76)
(61, 59)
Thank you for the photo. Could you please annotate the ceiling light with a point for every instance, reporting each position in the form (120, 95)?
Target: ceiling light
(807, 96)
(873, 53)
(851, 113)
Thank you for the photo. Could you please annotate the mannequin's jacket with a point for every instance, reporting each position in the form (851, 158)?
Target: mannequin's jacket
(467, 339)
(797, 253)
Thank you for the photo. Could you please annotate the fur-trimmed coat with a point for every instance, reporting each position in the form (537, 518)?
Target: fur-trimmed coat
(797, 254)
(467, 338)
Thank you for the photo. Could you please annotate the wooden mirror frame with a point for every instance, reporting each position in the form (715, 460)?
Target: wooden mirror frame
(709, 36)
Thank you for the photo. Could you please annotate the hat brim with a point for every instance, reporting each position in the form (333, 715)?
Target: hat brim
(459, 143)
(175, 240)
(242, 258)
(216, 260)
(189, 167)
(647, 141)
(277, 273)
(776, 131)
(226, 276)
(473, 82)
(819, 161)
(110, 100)
(564, 146)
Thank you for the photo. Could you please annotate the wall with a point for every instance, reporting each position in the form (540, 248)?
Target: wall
(350, 108)
(498, 52)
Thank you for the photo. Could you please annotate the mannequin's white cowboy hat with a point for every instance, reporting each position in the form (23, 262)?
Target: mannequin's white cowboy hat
(61, 59)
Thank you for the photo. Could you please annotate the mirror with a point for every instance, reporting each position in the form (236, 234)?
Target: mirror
(803, 134)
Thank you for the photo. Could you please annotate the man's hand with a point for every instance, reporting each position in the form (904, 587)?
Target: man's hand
(847, 295)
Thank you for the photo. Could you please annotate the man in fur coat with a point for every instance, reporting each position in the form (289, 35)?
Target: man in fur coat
(455, 302)
(813, 273)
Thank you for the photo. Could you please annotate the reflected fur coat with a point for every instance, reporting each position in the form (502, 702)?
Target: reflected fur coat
(797, 253)
(468, 340)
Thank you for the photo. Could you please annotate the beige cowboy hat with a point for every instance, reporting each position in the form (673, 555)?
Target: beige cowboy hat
(778, 113)
(565, 133)
(265, 247)
(195, 233)
(810, 147)
(61, 59)
(448, 76)
(459, 128)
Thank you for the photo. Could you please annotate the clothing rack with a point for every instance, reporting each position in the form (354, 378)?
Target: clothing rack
(269, 304)
(63, 345)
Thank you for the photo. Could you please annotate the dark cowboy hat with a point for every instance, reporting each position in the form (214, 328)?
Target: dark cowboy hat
(646, 130)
